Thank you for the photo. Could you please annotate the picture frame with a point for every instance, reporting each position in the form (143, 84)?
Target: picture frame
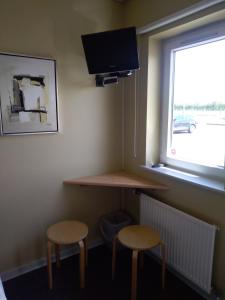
(28, 95)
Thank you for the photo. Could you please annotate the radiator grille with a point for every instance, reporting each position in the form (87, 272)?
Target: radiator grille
(189, 241)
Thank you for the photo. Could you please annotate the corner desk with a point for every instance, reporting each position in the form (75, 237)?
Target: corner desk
(120, 179)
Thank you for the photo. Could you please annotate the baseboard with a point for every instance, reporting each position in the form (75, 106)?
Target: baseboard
(15, 272)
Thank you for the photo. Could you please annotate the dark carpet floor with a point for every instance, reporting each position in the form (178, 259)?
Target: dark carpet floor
(33, 285)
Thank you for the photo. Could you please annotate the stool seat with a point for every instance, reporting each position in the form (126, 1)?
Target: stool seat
(67, 232)
(138, 237)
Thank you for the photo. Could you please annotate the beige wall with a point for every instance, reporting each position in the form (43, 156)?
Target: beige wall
(200, 202)
(33, 167)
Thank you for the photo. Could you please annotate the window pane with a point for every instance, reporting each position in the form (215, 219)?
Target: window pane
(197, 131)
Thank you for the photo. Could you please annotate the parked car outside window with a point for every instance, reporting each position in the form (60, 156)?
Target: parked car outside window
(184, 123)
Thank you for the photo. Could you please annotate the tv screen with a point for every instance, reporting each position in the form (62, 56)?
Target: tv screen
(111, 51)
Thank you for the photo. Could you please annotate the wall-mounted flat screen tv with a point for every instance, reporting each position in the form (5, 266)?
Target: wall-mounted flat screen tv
(111, 51)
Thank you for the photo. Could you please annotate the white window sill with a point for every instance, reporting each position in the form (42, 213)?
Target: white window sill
(210, 184)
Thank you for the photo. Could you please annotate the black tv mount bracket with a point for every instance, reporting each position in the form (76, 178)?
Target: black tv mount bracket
(110, 78)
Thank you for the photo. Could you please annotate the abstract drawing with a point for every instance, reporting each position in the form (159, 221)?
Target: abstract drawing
(28, 97)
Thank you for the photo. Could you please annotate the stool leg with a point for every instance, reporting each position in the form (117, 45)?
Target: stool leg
(163, 254)
(141, 259)
(114, 256)
(134, 275)
(57, 254)
(86, 251)
(49, 262)
(82, 264)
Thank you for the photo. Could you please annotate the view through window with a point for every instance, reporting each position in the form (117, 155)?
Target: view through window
(196, 131)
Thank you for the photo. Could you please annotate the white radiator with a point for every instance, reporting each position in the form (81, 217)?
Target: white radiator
(189, 241)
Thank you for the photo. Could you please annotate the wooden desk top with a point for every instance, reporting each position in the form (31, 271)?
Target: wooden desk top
(117, 179)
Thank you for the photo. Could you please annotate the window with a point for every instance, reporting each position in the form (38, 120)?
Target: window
(193, 101)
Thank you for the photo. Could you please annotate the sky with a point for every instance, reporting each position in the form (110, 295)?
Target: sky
(200, 74)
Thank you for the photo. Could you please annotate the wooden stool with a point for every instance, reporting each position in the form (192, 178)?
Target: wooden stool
(138, 238)
(65, 233)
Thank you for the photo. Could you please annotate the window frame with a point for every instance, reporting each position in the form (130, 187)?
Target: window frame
(214, 31)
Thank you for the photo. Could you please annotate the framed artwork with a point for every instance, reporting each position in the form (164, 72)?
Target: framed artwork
(28, 95)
